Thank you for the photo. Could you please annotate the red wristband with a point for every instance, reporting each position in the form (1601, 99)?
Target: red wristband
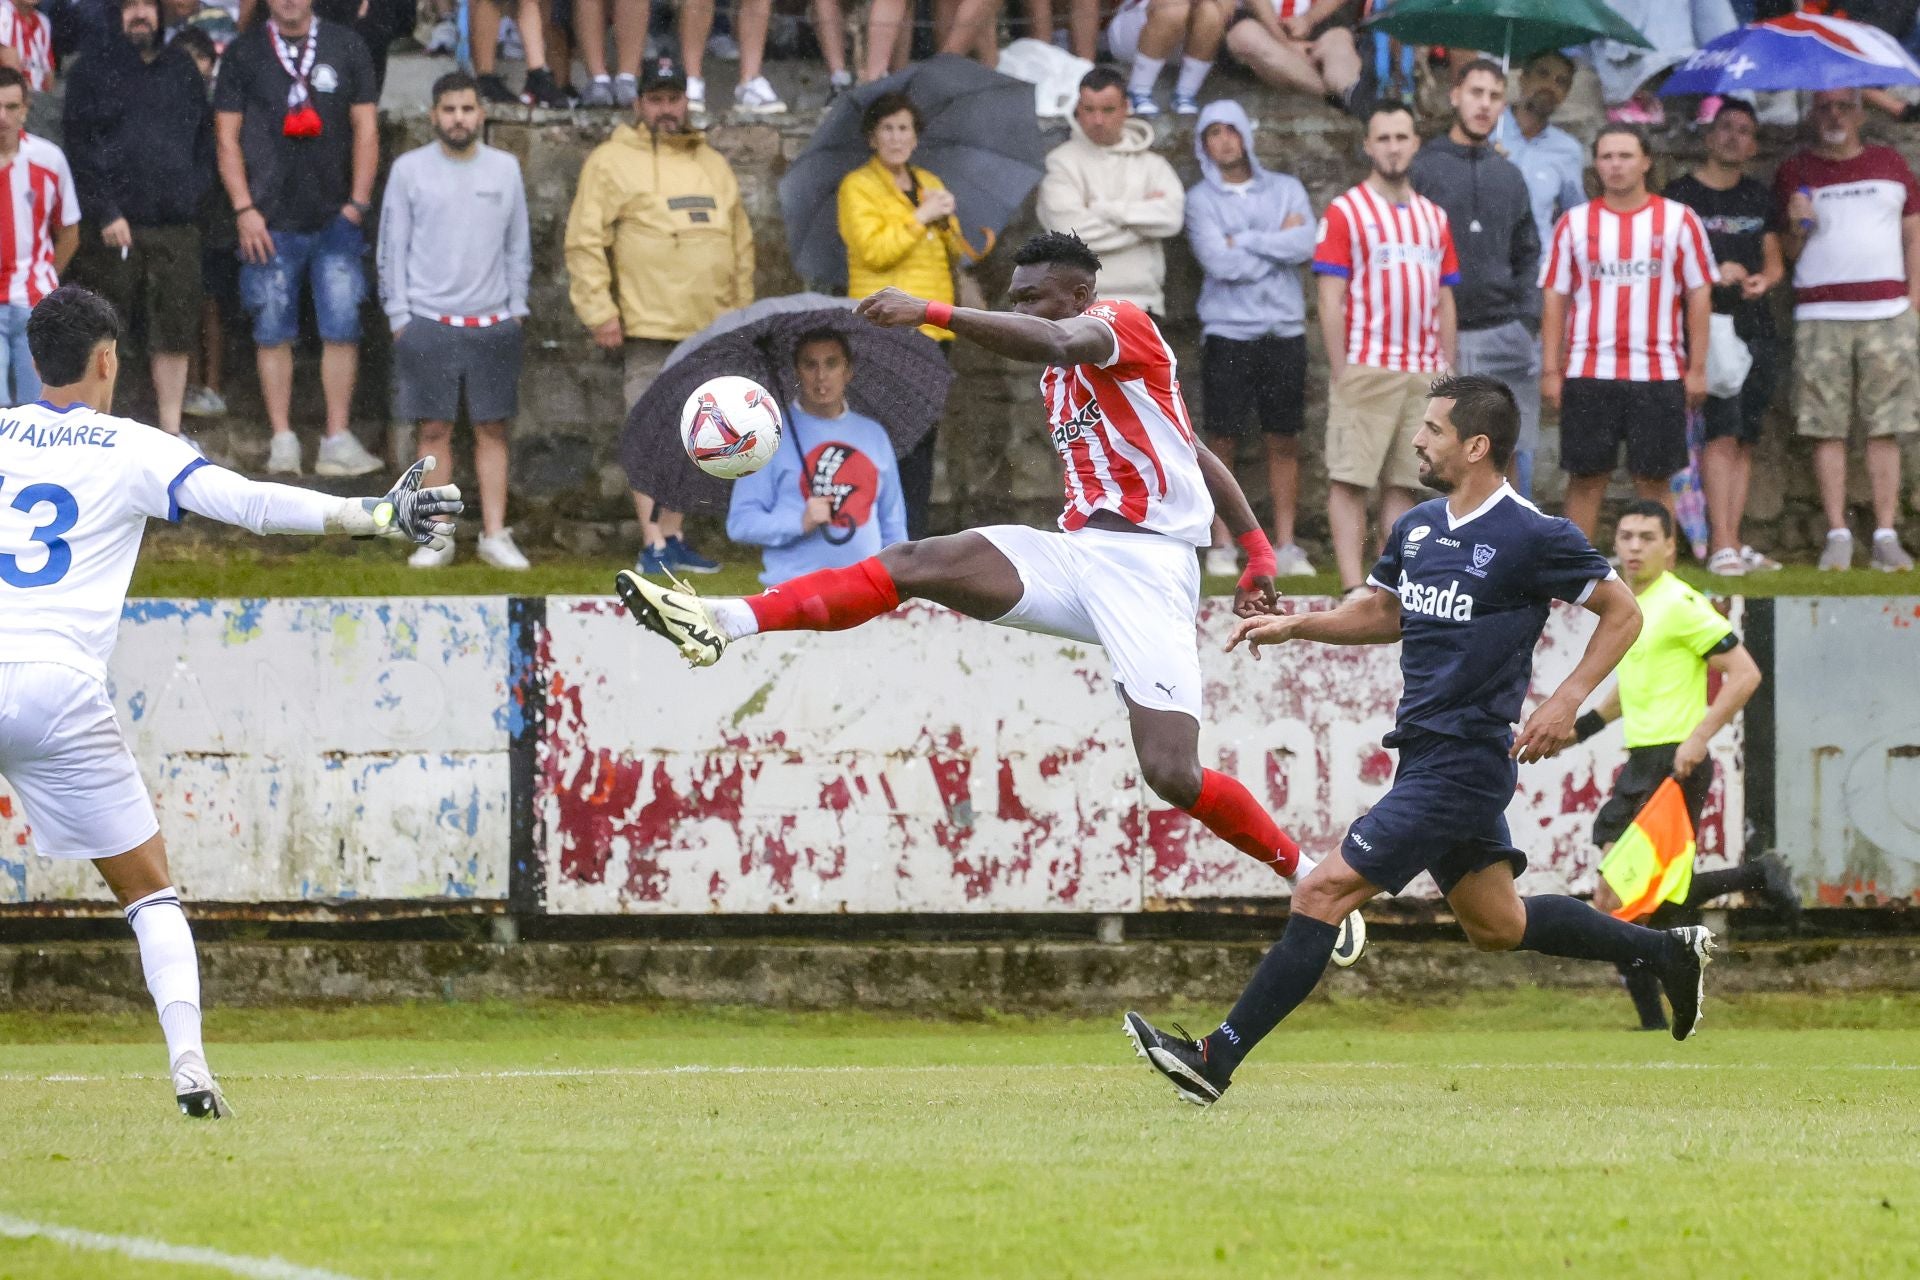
(939, 314)
(1260, 559)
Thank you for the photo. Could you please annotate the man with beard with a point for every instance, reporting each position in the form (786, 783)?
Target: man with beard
(1486, 202)
(1387, 273)
(454, 262)
(140, 138)
(1550, 159)
(1464, 585)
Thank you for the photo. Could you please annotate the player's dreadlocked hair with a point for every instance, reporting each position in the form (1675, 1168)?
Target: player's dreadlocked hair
(63, 330)
(1482, 406)
(1061, 248)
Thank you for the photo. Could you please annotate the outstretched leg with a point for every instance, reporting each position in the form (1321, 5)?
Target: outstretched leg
(1167, 744)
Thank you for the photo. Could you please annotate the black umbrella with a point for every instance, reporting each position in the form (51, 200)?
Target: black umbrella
(900, 380)
(981, 139)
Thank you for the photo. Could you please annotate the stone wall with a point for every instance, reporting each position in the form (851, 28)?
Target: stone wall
(995, 460)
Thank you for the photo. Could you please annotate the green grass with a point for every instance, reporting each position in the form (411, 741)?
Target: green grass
(1514, 1135)
(356, 569)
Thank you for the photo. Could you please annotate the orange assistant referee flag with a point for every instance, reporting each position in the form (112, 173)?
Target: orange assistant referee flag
(1652, 862)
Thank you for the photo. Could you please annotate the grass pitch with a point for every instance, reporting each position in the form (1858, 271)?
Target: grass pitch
(1519, 1135)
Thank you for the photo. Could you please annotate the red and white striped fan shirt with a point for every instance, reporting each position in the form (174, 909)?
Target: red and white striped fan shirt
(32, 36)
(40, 200)
(1628, 275)
(1395, 258)
(1123, 433)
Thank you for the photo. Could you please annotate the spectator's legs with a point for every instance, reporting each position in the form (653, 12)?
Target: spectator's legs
(590, 31)
(750, 21)
(1206, 29)
(1337, 59)
(916, 483)
(532, 21)
(1584, 494)
(973, 28)
(436, 442)
(1283, 483)
(1830, 472)
(888, 29)
(1726, 466)
(1347, 523)
(1653, 489)
(1394, 503)
(1039, 14)
(1280, 63)
(275, 365)
(213, 346)
(490, 468)
(13, 330)
(830, 30)
(339, 368)
(1083, 28)
(170, 388)
(1883, 476)
(484, 36)
(696, 24)
(630, 37)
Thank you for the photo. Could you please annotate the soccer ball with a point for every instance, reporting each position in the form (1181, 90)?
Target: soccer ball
(730, 426)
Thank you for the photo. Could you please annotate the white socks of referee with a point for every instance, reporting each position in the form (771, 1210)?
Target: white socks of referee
(172, 969)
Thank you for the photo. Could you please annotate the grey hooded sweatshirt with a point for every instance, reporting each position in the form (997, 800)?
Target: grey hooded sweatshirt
(1252, 259)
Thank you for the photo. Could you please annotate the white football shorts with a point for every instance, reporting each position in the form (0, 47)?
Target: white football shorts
(62, 754)
(1123, 32)
(1135, 594)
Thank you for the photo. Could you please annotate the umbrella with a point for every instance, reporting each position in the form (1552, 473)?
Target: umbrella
(1799, 51)
(981, 139)
(900, 380)
(1511, 28)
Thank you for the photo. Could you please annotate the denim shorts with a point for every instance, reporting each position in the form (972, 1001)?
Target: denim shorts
(331, 260)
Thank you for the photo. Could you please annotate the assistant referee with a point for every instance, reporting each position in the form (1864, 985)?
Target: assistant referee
(1661, 700)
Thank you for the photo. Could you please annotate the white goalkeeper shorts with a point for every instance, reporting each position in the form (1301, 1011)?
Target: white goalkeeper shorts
(66, 765)
(1137, 595)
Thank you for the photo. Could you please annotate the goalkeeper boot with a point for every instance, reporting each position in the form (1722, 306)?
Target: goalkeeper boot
(676, 613)
(1180, 1058)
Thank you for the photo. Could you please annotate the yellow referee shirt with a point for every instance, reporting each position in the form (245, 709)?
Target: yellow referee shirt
(1663, 678)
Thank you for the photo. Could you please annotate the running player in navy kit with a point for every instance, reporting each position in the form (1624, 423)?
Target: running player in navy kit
(1465, 583)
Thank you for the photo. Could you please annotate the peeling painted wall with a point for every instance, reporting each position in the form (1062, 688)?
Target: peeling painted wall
(306, 749)
(925, 762)
(1847, 745)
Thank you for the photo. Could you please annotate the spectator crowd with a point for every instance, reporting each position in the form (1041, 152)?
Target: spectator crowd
(220, 160)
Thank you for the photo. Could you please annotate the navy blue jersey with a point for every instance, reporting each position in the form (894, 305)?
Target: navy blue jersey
(1474, 596)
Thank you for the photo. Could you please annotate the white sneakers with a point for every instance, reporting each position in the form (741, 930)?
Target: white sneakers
(757, 98)
(1221, 562)
(496, 549)
(1289, 562)
(341, 455)
(283, 456)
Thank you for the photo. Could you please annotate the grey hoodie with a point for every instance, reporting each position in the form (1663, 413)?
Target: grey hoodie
(1253, 261)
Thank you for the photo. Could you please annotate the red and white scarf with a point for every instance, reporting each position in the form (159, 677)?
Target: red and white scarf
(302, 120)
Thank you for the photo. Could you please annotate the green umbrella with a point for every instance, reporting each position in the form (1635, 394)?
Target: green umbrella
(1510, 28)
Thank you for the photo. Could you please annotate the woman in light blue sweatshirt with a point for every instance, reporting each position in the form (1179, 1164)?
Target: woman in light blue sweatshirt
(1253, 234)
(830, 497)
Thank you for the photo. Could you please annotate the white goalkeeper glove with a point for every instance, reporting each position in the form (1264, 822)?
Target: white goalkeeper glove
(407, 512)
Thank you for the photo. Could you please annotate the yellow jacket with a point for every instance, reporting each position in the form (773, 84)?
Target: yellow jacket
(887, 245)
(657, 236)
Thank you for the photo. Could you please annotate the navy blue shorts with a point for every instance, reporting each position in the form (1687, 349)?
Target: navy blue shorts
(1446, 813)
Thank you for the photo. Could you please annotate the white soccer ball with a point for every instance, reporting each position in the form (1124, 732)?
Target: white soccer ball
(730, 426)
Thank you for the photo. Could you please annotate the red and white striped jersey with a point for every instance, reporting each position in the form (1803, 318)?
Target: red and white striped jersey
(1395, 258)
(40, 200)
(1123, 433)
(1628, 275)
(32, 36)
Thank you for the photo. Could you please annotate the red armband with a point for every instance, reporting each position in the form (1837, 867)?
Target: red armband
(940, 314)
(1260, 559)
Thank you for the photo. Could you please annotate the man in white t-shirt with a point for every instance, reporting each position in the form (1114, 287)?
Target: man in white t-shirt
(77, 487)
(1850, 220)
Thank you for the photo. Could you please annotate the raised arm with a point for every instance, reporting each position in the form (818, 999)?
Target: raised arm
(406, 512)
(1076, 340)
(1550, 729)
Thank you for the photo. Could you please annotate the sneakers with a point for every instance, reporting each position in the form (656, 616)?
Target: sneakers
(1684, 976)
(494, 89)
(195, 1089)
(1779, 890)
(1888, 555)
(1759, 561)
(1292, 562)
(1142, 105)
(679, 616)
(1727, 563)
(542, 90)
(654, 561)
(1180, 1058)
(757, 98)
(1838, 553)
(344, 455)
(1222, 562)
(723, 47)
(599, 94)
(626, 91)
(444, 40)
(283, 455)
(498, 550)
(681, 558)
(1185, 104)
(838, 83)
(697, 100)
(204, 402)
(425, 557)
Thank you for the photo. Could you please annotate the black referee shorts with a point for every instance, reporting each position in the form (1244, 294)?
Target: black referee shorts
(1257, 384)
(1598, 415)
(1645, 770)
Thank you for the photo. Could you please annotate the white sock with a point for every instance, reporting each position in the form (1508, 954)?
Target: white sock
(172, 968)
(1193, 74)
(1145, 71)
(734, 617)
(1886, 535)
(603, 79)
(1840, 533)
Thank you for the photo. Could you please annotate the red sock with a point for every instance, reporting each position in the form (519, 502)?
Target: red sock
(1229, 811)
(827, 600)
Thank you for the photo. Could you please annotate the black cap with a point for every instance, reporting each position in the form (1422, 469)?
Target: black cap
(662, 73)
